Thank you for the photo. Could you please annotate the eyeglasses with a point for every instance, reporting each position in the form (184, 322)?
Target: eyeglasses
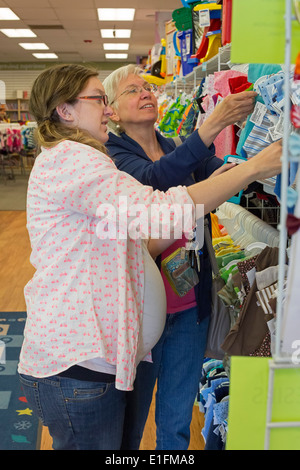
(134, 90)
(99, 98)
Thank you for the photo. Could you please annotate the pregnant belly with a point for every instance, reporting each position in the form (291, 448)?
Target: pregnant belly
(155, 307)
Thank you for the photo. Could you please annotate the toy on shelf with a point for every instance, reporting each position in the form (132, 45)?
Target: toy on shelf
(157, 74)
(226, 22)
(190, 3)
(177, 57)
(186, 50)
(211, 39)
(214, 43)
(182, 18)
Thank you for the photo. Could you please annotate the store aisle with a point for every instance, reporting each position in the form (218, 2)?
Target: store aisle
(15, 272)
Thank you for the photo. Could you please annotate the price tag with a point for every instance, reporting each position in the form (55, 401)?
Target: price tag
(258, 113)
(204, 18)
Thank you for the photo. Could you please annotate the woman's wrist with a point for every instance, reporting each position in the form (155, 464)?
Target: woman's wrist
(209, 130)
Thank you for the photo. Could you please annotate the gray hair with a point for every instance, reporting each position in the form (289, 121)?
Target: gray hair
(111, 86)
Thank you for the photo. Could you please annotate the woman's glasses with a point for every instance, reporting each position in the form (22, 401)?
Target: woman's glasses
(134, 90)
(99, 98)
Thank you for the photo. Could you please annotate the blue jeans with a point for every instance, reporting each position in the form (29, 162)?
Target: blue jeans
(95, 416)
(80, 415)
(181, 349)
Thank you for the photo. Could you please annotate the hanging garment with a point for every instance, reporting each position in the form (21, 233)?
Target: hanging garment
(260, 136)
(255, 71)
(251, 328)
(291, 319)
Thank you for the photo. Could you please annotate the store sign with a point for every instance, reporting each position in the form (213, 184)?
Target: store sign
(2, 353)
(17, 66)
(258, 32)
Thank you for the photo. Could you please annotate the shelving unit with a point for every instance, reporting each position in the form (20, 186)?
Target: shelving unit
(18, 110)
(222, 62)
(219, 62)
(280, 360)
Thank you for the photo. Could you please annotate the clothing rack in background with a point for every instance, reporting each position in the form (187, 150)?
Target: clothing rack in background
(17, 148)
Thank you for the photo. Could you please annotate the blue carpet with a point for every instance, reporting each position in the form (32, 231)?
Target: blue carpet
(19, 429)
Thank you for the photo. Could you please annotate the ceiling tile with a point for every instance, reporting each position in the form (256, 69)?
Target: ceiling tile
(79, 22)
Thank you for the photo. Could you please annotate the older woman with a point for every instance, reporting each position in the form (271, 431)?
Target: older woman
(154, 160)
(88, 312)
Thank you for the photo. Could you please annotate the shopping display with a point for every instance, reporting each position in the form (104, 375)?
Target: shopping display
(252, 240)
(249, 279)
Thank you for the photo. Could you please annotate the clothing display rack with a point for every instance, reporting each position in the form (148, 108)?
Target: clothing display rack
(17, 145)
(281, 361)
(238, 219)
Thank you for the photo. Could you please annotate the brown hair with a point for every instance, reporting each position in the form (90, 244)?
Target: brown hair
(54, 86)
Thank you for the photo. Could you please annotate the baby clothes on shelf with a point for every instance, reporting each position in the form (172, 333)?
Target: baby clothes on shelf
(251, 328)
(290, 323)
(173, 116)
(216, 87)
(267, 116)
(250, 273)
(213, 403)
(28, 137)
(292, 194)
(14, 138)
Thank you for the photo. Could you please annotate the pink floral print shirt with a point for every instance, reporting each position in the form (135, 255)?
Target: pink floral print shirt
(85, 299)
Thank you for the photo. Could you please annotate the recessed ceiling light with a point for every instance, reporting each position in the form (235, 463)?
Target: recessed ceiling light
(18, 33)
(7, 14)
(45, 56)
(116, 14)
(115, 33)
(115, 47)
(116, 56)
(34, 46)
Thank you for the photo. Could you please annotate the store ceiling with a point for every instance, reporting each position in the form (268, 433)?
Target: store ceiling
(71, 28)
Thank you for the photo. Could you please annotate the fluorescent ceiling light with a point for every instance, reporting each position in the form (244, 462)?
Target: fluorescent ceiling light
(34, 46)
(116, 56)
(116, 14)
(7, 14)
(115, 47)
(115, 33)
(39, 55)
(18, 33)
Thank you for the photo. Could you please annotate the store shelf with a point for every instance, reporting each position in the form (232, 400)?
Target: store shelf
(219, 62)
(18, 110)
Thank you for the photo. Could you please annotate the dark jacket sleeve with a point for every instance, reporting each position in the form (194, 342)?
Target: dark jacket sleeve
(173, 168)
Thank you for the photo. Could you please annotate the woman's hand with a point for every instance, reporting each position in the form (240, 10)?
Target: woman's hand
(213, 192)
(268, 161)
(233, 108)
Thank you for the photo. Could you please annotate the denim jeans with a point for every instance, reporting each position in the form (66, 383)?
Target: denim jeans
(80, 415)
(138, 402)
(95, 416)
(181, 349)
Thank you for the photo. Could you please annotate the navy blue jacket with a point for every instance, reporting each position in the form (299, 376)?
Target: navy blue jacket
(183, 165)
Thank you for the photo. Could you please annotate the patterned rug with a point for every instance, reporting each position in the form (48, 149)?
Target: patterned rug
(19, 429)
